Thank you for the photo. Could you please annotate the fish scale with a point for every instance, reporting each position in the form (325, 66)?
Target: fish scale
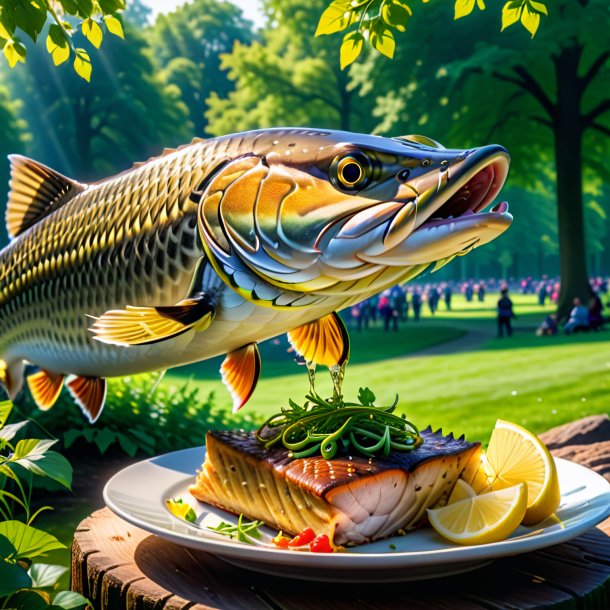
(218, 245)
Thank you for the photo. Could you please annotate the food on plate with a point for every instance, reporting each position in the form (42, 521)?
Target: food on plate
(352, 499)
(481, 519)
(517, 455)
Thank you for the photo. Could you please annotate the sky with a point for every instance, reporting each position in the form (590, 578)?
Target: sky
(250, 8)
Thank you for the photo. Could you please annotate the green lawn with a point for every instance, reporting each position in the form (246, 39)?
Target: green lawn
(534, 381)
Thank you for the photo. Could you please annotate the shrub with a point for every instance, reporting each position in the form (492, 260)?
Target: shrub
(139, 417)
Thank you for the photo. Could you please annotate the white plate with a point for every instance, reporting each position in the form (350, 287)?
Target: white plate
(138, 493)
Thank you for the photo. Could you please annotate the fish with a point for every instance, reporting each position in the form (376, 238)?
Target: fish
(220, 244)
(351, 499)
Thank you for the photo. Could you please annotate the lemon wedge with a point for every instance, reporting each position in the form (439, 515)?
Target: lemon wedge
(461, 491)
(515, 455)
(490, 517)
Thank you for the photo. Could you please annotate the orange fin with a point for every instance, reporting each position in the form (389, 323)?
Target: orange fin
(36, 190)
(240, 371)
(45, 388)
(89, 393)
(11, 377)
(324, 341)
(146, 325)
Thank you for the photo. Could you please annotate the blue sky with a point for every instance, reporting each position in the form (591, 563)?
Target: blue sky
(251, 8)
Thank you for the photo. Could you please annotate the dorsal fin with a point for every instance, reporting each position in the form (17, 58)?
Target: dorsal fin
(36, 190)
(164, 153)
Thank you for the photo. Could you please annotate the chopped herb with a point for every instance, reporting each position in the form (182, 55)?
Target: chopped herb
(393, 547)
(244, 531)
(181, 509)
(325, 426)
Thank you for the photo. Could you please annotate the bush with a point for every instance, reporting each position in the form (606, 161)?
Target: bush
(138, 417)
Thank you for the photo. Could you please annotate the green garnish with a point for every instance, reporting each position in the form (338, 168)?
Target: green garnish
(393, 547)
(244, 531)
(326, 425)
(181, 509)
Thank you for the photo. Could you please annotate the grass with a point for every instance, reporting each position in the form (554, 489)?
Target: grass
(537, 382)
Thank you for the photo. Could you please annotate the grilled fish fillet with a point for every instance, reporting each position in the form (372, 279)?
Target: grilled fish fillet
(352, 499)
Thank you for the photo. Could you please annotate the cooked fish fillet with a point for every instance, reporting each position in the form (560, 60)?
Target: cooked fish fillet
(352, 499)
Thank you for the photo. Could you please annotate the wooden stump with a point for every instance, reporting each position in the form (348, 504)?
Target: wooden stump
(120, 567)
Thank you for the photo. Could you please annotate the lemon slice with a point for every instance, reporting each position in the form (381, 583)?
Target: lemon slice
(461, 491)
(516, 455)
(490, 517)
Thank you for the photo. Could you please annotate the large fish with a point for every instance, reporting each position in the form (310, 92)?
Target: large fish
(221, 244)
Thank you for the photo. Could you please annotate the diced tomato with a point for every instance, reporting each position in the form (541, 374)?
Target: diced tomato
(305, 537)
(321, 544)
(281, 541)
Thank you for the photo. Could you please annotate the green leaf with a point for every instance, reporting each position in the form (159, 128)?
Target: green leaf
(538, 7)
(127, 445)
(114, 26)
(396, 14)
(366, 396)
(530, 20)
(8, 432)
(29, 600)
(6, 548)
(82, 64)
(12, 578)
(104, 438)
(93, 32)
(69, 600)
(463, 8)
(70, 436)
(350, 48)
(14, 52)
(32, 448)
(28, 541)
(7, 34)
(111, 6)
(335, 18)
(45, 574)
(382, 40)
(6, 406)
(34, 455)
(510, 14)
(57, 45)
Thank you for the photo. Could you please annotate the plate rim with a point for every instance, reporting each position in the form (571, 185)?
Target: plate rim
(341, 561)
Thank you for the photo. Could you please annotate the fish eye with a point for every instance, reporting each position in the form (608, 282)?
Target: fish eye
(350, 172)
(403, 174)
(425, 162)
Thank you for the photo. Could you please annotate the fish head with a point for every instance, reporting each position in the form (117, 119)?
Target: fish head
(324, 212)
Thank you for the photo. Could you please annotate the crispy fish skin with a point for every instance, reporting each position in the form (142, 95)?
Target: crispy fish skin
(353, 499)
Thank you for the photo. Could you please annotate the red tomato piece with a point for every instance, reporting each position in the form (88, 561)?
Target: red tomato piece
(305, 537)
(321, 544)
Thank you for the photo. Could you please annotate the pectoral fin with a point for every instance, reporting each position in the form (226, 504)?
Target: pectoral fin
(146, 325)
(89, 393)
(45, 388)
(240, 371)
(324, 341)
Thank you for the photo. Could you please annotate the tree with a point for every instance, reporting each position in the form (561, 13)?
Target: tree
(288, 77)
(546, 100)
(66, 17)
(91, 130)
(188, 45)
(12, 140)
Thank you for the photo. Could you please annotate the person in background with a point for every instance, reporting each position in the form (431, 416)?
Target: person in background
(469, 292)
(579, 318)
(447, 294)
(397, 301)
(542, 293)
(416, 304)
(505, 313)
(481, 293)
(596, 307)
(388, 313)
(373, 304)
(548, 327)
(433, 298)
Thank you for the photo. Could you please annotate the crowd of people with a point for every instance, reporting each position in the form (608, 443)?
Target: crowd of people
(402, 303)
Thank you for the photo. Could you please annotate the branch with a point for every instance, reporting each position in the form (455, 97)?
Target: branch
(542, 121)
(597, 112)
(594, 68)
(530, 86)
(601, 128)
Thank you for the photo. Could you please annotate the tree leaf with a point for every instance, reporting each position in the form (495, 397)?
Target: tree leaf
(127, 445)
(29, 600)
(6, 406)
(382, 40)
(7, 34)
(69, 600)
(335, 18)
(114, 26)
(34, 455)
(82, 64)
(538, 7)
(14, 52)
(350, 48)
(104, 438)
(463, 8)
(93, 32)
(396, 14)
(28, 541)
(510, 14)
(45, 574)
(57, 45)
(530, 20)
(111, 6)
(70, 436)
(12, 578)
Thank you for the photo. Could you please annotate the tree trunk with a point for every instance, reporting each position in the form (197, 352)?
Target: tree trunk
(568, 132)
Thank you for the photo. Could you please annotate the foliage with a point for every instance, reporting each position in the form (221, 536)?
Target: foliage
(374, 21)
(26, 584)
(139, 417)
(66, 17)
(91, 130)
(189, 43)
